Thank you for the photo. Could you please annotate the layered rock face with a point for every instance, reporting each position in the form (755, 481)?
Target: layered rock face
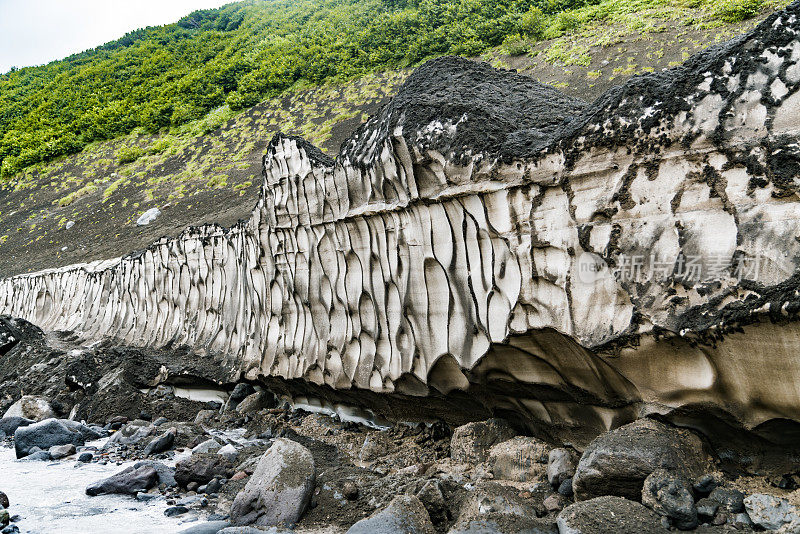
(495, 246)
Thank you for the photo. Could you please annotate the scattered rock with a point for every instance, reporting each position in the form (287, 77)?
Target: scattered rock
(404, 514)
(57, 452)
(279, 490)
(148, 216)
(166, 475)
(432, 499)
(555, 503)
(175, 510)
(201, 468)
(161, 443)
(209, 445)
(204, 417)
(42, 456)
(560, 466)
(229, 452)
(565, 488)
(209, 527)
(240, 475)
(31, 407)
(471, 442)
(705, 485)
(706, 509)
(4, 500)
(521, 459)
(609, 515)
(129, 481)
(741, 521)
(160, 421)
(260, 400)
(50, 432)
(768, 512)
(732, 500)
(239, 393)
(350, 491)
(373, 448)
(671, 497)
(85, 457)
(9, 425)
(214, 486)
(617, 462)
(496, 502)
(133, 432)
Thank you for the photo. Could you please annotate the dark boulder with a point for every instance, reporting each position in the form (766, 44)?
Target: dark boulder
(162, 442)
(201, 468)
(129, 481)
(618, 462)
(49, 433)
(9, 425)
(166, 474)
(280, 489)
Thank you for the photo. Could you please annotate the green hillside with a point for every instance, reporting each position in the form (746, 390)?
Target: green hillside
(228, 59)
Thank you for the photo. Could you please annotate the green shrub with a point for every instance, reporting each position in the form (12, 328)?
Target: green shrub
(732, 11)
(163, 144)
(515, 45)
(129, 154)
(533, 22)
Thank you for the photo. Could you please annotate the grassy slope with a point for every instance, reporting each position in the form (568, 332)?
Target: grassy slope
(209, 170)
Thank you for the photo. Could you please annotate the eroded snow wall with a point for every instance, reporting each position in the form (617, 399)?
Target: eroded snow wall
(442, 251)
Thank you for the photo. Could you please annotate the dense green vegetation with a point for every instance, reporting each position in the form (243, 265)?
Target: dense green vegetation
(223, 60)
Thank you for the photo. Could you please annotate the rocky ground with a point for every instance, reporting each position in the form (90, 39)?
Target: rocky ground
(250, 462)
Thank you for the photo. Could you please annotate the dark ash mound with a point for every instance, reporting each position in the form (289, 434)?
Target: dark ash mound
(463, 108)
(497, 112)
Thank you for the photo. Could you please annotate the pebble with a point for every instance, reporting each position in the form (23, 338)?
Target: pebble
(555, 502)
(705, 485)
(175, 510)
(350, 491)
(565, 488)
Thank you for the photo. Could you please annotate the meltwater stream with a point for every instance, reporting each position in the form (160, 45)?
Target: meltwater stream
(50, 497)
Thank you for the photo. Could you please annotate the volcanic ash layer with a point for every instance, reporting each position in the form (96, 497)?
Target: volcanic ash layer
(457, 258)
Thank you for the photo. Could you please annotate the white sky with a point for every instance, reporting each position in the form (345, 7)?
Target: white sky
(33, 32)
